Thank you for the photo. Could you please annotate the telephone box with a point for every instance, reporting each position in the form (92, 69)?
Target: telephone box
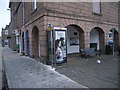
(57, 45)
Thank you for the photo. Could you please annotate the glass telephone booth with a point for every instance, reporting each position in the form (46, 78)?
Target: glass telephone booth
(57, 45)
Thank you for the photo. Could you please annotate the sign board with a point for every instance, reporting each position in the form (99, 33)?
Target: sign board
(16, 32)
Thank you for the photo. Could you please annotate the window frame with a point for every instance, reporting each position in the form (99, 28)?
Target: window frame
(100, 9)
(34, 4)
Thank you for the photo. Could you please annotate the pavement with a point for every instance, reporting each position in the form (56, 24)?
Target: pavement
(25, 72)
(0, 66)
(91, 74)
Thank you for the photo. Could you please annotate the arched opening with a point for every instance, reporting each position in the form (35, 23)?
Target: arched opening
(97, 39)
(27, 43)
(23, 41)
(35, 41)
(75, 39)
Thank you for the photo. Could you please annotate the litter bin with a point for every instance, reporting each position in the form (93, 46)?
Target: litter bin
(119, 49)
(108, 49)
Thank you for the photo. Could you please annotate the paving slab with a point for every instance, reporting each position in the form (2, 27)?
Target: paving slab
(0, 66)
(24, 72)
(91, 74)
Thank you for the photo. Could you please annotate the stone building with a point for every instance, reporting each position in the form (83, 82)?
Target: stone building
(15, 25)
(5, 35)
(89, 22)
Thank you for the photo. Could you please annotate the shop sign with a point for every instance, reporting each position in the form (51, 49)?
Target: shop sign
(17, 32)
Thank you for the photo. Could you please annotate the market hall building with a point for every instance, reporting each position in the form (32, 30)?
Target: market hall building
(88, 24)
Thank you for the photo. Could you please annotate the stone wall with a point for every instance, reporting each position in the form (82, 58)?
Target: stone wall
(63, 14)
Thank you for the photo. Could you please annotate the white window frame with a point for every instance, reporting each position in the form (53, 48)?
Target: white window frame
(6, 32)
(34, 4)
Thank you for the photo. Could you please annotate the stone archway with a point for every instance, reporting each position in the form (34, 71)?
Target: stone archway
(75, 39)
(97, 39)
(35, 42)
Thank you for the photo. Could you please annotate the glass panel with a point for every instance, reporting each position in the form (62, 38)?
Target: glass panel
(60, 46)
(34, 4)
(96, 6)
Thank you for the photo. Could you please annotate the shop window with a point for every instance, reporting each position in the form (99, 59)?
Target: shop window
(93, 45)
(74, 41)
(75, 33)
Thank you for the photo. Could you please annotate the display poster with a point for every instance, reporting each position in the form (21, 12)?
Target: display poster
(60, 46)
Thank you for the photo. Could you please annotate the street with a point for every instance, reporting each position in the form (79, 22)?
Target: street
(24, 72)
(0, 66)
(60, 44)
(91, 74)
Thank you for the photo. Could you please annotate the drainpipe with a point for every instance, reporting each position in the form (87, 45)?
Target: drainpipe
(23, 22)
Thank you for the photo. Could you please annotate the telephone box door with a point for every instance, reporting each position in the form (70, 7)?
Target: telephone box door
(57, 45)
(60, 45)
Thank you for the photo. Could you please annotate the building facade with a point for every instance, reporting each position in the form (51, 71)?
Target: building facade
(5, 36)
(88, 23)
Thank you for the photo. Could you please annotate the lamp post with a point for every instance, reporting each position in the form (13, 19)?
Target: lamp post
(113, 35)
(23, 27)
(52, 45)
(113, 42)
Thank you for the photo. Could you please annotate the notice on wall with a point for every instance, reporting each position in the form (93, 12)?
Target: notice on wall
(74, 41)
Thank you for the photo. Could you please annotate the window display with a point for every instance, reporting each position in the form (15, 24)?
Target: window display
(74, 41)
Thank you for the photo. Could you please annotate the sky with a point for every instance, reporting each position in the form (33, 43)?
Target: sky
(4, 14)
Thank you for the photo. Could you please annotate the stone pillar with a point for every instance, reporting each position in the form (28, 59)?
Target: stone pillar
(102, 42)
(87, 39)
(106, 38)
(24, 43)
(25, 51)
(43, 44)
(14, 43)
(30, 43)
(82, 40)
